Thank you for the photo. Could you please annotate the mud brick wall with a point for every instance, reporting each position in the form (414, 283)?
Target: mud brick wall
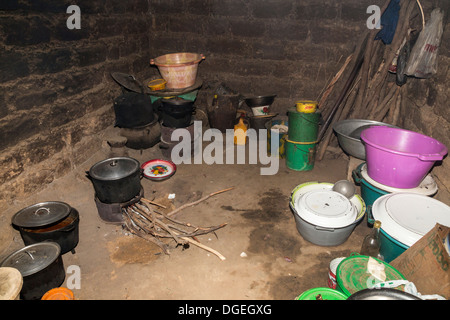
(56, 91)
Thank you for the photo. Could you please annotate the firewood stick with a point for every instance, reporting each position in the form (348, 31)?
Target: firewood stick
(197, 202)
(152, 202)
(198, 244)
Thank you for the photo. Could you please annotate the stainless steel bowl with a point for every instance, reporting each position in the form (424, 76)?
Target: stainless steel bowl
(348, 134)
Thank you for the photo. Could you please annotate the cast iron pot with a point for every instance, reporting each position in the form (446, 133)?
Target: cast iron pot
(177, 112)
(41, 266)
(64, 232)
(116, 180)
(133, 110)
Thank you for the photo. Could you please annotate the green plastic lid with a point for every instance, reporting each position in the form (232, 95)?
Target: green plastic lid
(359, 272)
(322, 294)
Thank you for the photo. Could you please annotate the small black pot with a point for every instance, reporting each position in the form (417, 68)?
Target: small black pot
(65, 233)
(41, 266)
(116, 180)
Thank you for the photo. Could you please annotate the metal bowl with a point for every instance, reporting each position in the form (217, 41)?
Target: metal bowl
(259, 101)
(348, 134)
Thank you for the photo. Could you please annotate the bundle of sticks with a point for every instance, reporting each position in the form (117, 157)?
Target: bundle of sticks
(143, 220)
(364, 88)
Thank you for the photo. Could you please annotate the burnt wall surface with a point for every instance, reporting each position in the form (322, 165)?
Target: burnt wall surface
(56, 89)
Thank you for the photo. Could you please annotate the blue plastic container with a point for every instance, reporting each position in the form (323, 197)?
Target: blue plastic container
(389, 247)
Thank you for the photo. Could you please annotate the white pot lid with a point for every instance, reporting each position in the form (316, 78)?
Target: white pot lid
(427, 187)
(407, 217)
(326, 208)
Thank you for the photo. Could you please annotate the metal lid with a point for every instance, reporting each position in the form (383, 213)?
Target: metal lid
(33, 258)
(114, 168)
(41, 214)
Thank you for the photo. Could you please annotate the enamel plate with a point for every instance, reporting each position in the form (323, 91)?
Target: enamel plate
(158, 169)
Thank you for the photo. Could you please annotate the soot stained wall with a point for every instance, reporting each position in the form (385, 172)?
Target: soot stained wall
(56, 91)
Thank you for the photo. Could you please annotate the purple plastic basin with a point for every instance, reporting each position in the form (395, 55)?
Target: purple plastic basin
(400, 158)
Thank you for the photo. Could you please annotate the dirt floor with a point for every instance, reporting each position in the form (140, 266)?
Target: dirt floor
(266, 257)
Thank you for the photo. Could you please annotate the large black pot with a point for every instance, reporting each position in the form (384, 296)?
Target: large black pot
(41, 266)
(116, 180)
(177, 112)
(133, 110)
(64, 232)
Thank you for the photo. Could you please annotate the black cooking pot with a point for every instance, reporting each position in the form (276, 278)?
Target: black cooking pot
(177, 112)
(133, 110)
(116, 180)
(41, 266)
(53, 220)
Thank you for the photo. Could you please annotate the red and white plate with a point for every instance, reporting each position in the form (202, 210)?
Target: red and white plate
(158, 169)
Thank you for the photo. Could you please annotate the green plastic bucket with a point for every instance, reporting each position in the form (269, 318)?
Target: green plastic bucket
(303, 127)
(322, 294)
(300, 156)
(354, 274)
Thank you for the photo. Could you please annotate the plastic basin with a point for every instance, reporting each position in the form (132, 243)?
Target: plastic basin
(400, 158)
(178, 69)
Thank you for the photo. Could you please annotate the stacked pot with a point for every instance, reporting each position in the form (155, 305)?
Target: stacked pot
(136, 120)
(176, 113)
(397, 185)
(117, 182)
(48, 230)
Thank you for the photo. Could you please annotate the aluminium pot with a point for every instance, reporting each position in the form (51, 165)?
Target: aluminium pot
(53, 220)
(41, 266)
(116, 180)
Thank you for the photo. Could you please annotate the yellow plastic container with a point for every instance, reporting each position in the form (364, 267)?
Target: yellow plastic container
(306, 106)
(157, 84)
(240, 132)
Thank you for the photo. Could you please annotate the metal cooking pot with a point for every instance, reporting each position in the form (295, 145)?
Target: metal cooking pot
(52, 220)
(382, 294)
(177, 112)
(116, 180)
(41, 266)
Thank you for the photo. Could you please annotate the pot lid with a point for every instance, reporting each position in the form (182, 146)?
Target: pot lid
(128, 81)
(407, 217)
(359, 272)
(41, 214)
(33, 258)
(427, 187)
(114, 168)
(326, 208)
